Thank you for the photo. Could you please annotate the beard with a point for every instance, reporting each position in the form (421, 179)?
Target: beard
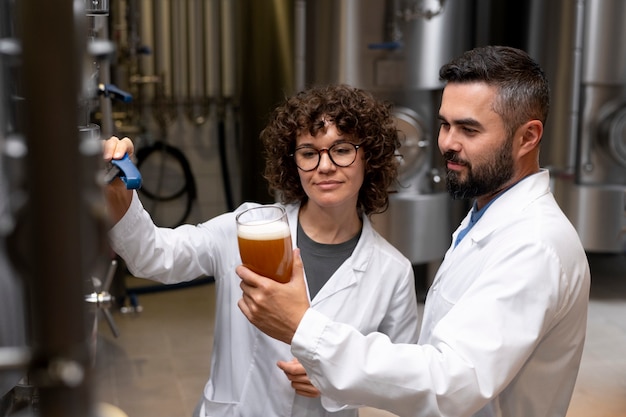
(481, 179)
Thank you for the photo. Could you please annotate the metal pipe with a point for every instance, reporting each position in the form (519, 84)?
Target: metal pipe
(228, 49)
(212, 49)
(300, 45)
(179, 51)
(197, 106)
(146, 58)
(194, 32)
(575, 87)
(350, 13)
(104, 77)
(163, 46)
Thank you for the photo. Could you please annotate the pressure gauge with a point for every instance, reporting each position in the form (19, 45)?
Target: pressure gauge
(613, 134)
(412, 152)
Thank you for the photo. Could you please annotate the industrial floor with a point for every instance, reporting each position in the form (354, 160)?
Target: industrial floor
(159, 364)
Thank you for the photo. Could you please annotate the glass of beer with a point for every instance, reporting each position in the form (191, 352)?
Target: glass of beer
(265, 241)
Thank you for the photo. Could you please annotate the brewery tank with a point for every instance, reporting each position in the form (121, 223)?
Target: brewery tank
(394, 49)
(597, 202)
(581, 45)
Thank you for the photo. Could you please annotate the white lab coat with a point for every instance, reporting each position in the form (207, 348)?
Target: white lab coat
(372, 291)
(503, 328)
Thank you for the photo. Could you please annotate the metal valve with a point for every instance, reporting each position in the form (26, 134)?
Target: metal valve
(101, 297)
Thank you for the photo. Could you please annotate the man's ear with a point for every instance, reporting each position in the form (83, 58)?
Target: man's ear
(531, 133)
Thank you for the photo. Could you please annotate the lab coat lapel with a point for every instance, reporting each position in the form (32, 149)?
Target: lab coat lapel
(509, 204)
(348, 273)
(343, 278)
(292, 219)
(514, 200)
(333, 285)
(448, 258)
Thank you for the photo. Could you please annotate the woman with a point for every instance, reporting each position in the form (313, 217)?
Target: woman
(331, 159)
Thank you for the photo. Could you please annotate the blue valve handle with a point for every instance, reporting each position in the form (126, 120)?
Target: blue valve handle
(127, 171)
(111, 90)
(390, 46)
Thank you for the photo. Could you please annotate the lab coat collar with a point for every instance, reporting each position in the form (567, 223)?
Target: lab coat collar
(347, 274)
(513, 201)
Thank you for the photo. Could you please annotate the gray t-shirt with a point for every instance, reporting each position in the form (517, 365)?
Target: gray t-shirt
(322, 260)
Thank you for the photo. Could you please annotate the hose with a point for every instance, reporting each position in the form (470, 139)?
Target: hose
(189, 187)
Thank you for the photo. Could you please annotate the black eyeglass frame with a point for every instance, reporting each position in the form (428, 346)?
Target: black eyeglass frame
(327, 150)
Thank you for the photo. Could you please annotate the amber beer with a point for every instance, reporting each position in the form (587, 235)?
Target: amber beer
(265, 242)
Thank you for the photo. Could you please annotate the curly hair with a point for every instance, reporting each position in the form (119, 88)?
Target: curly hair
(355, 113)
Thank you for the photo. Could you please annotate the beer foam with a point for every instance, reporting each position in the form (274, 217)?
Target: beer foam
(263, 231)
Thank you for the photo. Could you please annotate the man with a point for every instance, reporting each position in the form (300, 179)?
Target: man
(505, 318)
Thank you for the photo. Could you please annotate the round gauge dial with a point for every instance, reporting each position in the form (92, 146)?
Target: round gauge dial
(614, 134)
(413, 141)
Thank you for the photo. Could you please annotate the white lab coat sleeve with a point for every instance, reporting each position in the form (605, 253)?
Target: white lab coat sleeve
(171, 255)
(353, 369)
(401, 323)
(489, 331)
(392, 298)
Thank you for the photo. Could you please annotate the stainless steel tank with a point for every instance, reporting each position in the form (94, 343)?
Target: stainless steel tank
(597, 201)
(12, 309)
(395, 49)
(581, 44)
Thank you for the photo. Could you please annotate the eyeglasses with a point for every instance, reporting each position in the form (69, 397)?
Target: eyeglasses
(342, 154)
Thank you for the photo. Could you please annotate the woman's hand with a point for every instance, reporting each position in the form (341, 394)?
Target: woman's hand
(118, 198)
(115, 148)
(300, 381)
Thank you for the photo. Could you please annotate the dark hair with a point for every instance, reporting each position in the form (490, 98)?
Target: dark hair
(355, 113)
(523, 90)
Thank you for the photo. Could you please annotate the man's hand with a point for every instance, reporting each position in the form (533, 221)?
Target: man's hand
(299, 379)
(275, 308)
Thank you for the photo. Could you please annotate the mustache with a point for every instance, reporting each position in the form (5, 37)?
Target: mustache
(451, 156)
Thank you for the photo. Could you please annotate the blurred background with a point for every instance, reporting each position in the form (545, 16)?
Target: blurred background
(192, 83)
